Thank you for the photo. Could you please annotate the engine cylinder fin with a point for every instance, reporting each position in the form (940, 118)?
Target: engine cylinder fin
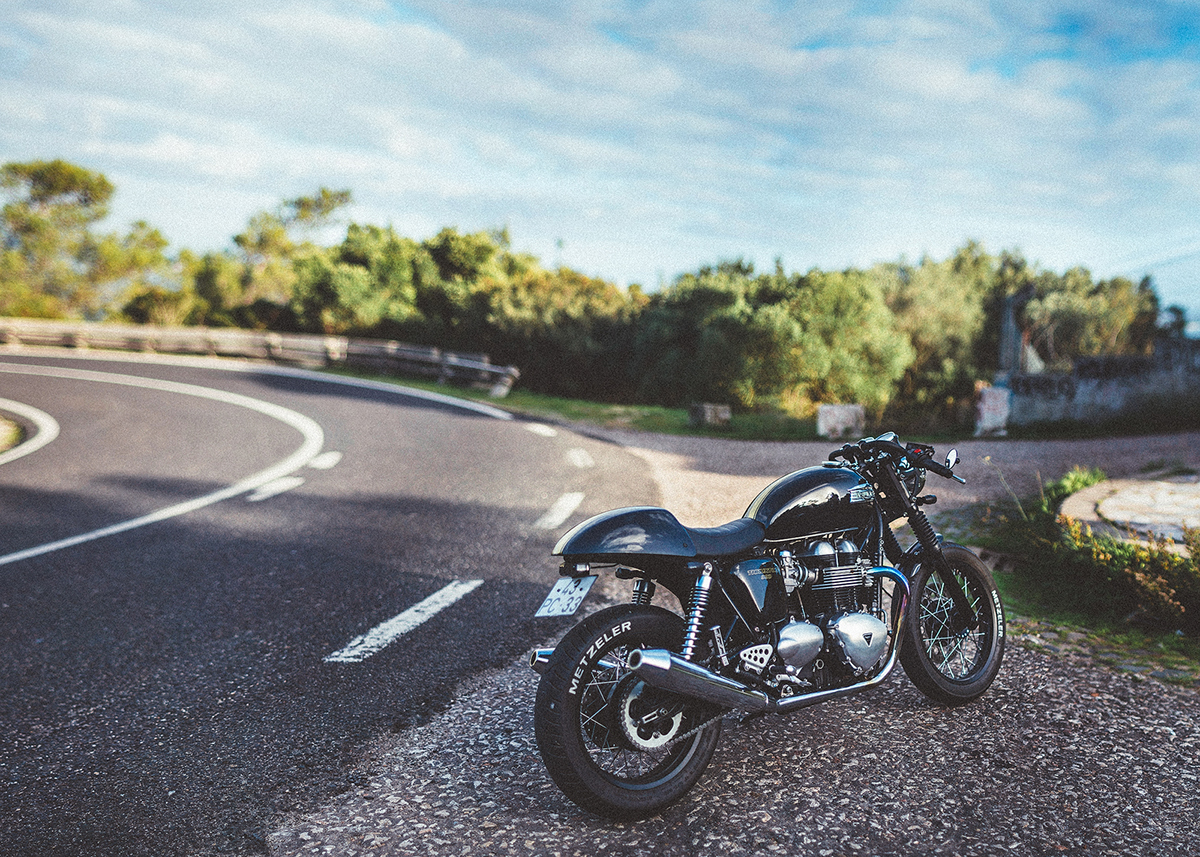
(838, 578)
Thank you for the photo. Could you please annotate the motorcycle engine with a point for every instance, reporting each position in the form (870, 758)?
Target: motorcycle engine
(832, 570)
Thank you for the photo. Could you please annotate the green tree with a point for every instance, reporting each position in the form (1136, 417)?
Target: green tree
(569, 333)
(774, 341)
(367, 285)
(269, 245)
(52, 263)
(941, 308)
(1071, 316)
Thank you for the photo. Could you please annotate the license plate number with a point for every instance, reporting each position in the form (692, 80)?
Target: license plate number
(566, 596)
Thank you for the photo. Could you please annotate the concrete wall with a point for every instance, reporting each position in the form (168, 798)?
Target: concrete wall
(1104, 387)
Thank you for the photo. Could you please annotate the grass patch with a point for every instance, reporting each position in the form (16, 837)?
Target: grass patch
(651, 418)
(10, 434)
(1136, 600)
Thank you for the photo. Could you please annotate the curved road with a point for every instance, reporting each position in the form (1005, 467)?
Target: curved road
(219, 582)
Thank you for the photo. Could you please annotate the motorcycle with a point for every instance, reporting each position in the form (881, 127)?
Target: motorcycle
(806, 598)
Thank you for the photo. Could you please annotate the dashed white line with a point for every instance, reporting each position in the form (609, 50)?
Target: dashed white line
(580, 458)
(362, 647)
(47, 429)
(542, 429)
(563, 508)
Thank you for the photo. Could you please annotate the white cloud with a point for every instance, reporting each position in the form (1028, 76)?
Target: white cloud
(650, 137)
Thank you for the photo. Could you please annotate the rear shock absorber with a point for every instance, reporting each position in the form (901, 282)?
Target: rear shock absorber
(695, 621)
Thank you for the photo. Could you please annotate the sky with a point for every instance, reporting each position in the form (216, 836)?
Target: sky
(636, 140)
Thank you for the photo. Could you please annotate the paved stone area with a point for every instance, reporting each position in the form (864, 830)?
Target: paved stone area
(1162, 508)
(1139, 507)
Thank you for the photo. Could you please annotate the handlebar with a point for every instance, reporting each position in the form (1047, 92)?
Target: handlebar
(921, 456)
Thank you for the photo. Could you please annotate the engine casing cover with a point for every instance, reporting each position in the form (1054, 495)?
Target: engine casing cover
(800, 643)
(860, 638)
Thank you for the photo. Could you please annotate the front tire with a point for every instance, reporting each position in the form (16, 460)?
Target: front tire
(950, 659)
(587, 711)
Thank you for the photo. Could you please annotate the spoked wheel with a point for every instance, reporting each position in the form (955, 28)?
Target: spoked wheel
(614, 745)
(950, 657)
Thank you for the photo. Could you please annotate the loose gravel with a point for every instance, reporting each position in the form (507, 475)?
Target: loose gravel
(1063, 755)
(1060, 757)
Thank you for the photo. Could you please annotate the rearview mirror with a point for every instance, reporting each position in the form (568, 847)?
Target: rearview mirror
(952, 458)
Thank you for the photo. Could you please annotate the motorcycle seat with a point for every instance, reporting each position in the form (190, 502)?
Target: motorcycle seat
(727, 539)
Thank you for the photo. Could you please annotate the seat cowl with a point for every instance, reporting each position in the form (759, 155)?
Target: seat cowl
(637, 531)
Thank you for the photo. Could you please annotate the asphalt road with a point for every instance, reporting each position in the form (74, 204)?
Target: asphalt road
(179, 564)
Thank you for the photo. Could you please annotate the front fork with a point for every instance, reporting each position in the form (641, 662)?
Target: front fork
(928, 548)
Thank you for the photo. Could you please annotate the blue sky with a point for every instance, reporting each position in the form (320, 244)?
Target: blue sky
(638, 140)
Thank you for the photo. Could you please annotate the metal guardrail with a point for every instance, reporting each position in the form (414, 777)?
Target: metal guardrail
(378, 355)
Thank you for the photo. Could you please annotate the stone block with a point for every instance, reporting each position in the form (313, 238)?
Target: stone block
(705, 414)
(837, 421)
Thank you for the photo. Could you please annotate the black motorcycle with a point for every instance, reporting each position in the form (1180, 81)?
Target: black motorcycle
(808, 597)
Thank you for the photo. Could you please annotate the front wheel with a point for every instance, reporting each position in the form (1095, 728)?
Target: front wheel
(614, 745)
(952, 658)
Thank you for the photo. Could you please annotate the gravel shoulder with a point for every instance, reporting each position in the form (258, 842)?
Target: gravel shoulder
(1061, 756)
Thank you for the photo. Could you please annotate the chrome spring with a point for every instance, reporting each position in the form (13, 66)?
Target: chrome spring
(695, 623)
(643, 591)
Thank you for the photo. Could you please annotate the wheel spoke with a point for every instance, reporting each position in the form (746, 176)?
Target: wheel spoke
(596, 720)
(954, 653)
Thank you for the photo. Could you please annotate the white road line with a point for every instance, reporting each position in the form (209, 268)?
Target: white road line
(362, 647)
(326, 460)
(580, 458)
(47, 429)
(287, 483)
(563, 508)
(542, 429)
(314, 439)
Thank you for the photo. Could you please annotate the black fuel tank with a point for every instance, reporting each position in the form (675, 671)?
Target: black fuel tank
(811, 501)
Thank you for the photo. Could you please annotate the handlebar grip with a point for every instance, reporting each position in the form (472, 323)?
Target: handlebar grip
(939, 469)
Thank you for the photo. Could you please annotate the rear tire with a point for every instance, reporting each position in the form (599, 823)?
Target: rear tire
(586, 702)
(949, 663)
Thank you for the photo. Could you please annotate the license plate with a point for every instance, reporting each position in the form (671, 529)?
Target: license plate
(566, 596)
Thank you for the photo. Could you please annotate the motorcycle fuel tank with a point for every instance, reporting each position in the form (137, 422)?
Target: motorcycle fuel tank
(640, 530)
(811, 501)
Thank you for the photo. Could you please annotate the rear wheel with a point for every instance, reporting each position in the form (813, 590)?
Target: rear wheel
(614, 745)
(950, 657)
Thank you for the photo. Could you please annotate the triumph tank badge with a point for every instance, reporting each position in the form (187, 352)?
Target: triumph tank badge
(862, 494)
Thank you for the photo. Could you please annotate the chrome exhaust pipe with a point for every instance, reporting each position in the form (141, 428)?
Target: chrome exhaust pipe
(667, 670)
